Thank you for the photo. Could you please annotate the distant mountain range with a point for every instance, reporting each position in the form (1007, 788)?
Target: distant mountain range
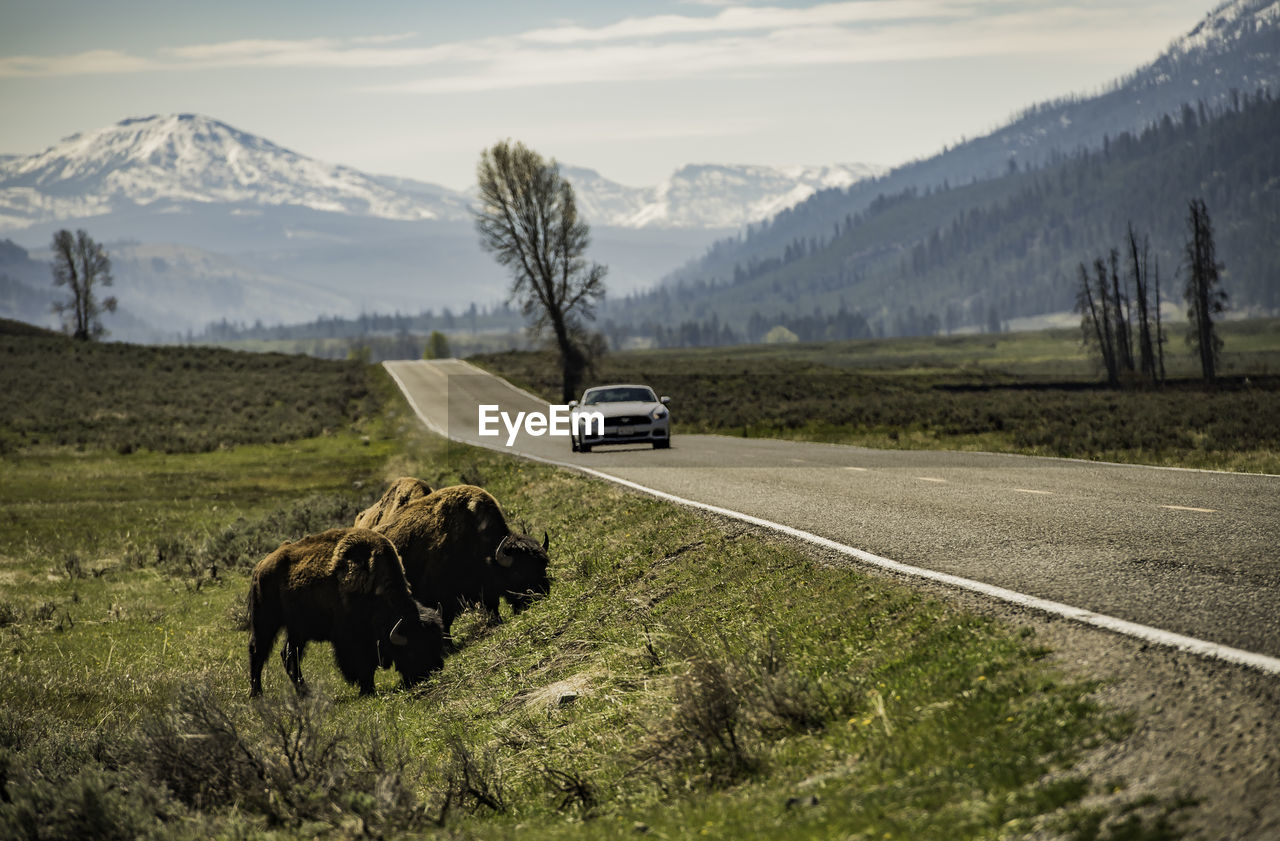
(189, 159)
(709, 196)
(238, 228)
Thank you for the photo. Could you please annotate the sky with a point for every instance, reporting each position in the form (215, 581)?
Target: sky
(634, 90)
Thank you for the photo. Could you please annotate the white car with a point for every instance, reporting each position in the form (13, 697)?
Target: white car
(633, 414)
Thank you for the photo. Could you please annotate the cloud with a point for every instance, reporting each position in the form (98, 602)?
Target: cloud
(738, 19)
(78, 64)
(732, 41)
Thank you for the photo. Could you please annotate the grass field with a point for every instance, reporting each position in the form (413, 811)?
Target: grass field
(684, 678)
(1034, 393)
(79, 395)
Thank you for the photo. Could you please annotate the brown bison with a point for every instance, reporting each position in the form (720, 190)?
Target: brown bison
(403, 491)
(346, 586)
(458, 551)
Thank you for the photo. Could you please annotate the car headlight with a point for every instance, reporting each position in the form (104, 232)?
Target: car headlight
(658, 413)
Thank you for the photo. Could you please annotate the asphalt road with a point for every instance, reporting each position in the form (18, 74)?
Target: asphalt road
(1191, 552)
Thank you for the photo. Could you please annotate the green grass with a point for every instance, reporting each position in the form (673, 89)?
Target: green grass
(84, 396)
(1032, 393)
(692, 677)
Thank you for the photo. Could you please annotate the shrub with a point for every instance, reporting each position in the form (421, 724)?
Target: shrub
(94, 803)
(289, 764)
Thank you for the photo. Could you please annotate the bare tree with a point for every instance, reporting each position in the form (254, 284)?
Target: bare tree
(83, 265)
(1139, 267)
(1205, 298)
(528, 219)
(1095, 326)
(1160, 337)
(1121, 310)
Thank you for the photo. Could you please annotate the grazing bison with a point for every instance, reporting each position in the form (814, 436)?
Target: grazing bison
(458, 550)
(346, 586)
(403, 491)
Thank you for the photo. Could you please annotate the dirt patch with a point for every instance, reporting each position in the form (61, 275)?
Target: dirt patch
(558, 694)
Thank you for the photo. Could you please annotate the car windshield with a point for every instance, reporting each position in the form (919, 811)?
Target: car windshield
(619, 394)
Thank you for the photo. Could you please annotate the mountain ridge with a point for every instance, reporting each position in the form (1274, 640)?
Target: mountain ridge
(1233, 50)
(192, 158)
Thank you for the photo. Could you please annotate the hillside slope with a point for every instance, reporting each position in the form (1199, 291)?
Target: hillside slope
(920, 261)
(1233, 51)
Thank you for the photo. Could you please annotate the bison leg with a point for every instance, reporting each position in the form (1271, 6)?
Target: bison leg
(262, 638)
(291, 657)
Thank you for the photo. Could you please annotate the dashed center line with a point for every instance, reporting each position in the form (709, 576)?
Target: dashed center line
(1031, 491)
(930, 479)
(1188, 508)
(859, 469)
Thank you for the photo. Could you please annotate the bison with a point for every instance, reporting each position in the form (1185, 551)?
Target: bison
(403, 491)
(458, 550)
(346, 586)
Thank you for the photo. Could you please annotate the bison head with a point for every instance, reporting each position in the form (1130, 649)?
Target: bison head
(521, 565)
(417, 645)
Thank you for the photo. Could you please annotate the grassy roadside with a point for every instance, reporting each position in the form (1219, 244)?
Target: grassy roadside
(1031, 393)
(684, 678)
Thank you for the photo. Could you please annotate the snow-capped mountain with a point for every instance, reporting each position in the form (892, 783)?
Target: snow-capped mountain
(707, 195)
(191, 160)
(188, 158)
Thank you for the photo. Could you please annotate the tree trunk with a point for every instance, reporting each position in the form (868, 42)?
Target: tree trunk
(1142, 283)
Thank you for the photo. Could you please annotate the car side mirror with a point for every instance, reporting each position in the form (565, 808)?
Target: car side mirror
(664, 400)
(573, 404)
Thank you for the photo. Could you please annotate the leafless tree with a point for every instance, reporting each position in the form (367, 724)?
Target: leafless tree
(1205, 298)
(1140, 268)
(528, 219)
(83, 265)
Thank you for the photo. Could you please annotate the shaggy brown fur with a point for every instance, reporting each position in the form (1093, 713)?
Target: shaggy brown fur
(450, 543)
(403, 491)
(346, 586)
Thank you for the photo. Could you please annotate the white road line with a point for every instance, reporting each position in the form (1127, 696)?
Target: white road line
(1146, 633)
(930, 479)
(859, 469)
(1030, 491)
(1187, 508)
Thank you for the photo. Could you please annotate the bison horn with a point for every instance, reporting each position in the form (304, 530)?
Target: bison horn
(395, 636)
(546, 541)
(500, 554)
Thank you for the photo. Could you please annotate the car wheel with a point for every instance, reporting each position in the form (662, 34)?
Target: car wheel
(573, 443)
(584, 447)
(664, 444)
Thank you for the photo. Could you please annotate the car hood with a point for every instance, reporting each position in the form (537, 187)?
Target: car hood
(613, 410)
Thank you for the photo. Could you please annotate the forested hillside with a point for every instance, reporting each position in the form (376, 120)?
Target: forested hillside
(951, 256)
(1233, 51)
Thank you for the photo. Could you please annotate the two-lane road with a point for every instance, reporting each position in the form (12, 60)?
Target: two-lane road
(1192, 552)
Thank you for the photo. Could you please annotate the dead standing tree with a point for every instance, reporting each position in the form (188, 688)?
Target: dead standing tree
(1140, 268)
(528, 219)
(1108, 309)
(1205, 298)
(83, 265)
(1096, 324)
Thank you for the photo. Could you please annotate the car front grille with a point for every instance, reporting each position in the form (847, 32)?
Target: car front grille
(626, 420)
